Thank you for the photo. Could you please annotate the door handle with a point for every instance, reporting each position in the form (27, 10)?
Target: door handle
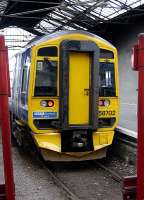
(86, 92)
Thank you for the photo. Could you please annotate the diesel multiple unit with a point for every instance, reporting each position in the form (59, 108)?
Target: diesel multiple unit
(65, 96)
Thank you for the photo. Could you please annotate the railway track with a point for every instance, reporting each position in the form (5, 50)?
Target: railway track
(71, 195)
(63, 186)
(67, 190)
(114, 175)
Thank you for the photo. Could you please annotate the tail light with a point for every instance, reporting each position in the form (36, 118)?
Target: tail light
(104, 102)
(50, 103)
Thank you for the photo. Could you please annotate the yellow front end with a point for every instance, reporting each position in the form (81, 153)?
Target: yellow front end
(50, 147)
(48, 136)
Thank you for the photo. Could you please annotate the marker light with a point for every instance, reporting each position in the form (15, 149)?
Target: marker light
(101, 103)
(106, 102)
(50, 103)
(43, 103)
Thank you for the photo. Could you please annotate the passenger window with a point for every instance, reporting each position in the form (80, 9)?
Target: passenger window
(14, 84)
(46, 78)
(25, 70)
(24, 79)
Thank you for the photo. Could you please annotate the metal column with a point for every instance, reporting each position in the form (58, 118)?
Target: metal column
(134, 186)
(7, 191)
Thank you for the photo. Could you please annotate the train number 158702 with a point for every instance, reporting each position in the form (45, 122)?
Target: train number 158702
(107, 113)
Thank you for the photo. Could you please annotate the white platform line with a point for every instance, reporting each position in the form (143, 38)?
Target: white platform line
(127, 131)
(129, 104)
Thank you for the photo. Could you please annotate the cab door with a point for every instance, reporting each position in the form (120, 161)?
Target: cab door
(79, 88)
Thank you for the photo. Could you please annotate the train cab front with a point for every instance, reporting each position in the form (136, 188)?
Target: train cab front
(63, 110)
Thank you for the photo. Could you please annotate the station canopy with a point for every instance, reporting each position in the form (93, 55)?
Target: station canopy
(44, 17)
(22, 20)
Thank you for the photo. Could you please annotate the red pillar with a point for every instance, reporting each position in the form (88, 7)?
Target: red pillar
(5, 121)
(134, 186)
(140, 151)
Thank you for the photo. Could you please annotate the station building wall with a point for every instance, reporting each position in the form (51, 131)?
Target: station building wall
(124, 42)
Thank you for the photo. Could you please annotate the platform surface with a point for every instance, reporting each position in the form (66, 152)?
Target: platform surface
(1, 164)
(128, 119)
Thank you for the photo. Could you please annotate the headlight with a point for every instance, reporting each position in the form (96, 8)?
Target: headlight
(43, 103)
(106, 103)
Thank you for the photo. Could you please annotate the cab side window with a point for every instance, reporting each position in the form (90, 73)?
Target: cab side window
(107, 79)
(46, 78)
(46, 72)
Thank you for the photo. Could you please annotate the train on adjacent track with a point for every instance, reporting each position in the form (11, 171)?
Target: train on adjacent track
(65, 96)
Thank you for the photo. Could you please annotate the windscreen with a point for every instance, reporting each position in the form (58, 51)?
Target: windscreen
(46, 78)
(107, 80)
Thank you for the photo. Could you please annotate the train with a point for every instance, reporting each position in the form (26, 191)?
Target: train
(65, 96)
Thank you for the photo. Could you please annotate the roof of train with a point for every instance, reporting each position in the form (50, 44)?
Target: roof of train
(38, 40)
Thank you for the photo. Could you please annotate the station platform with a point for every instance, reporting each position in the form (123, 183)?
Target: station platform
(128, 119)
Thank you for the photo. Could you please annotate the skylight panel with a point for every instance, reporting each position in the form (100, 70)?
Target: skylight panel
(84, 2)
(103, 11)
(54, 22)
(129, 1)
(90, 16)
(77, 8)
(63, 15)
(56, 16)
(135, 5)
(113, 5)
(70, 8)
(80, 27)
(46, 24)
(68, 28)
(107, 11)
(97, 14)
(66, 13)
(80, 8)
